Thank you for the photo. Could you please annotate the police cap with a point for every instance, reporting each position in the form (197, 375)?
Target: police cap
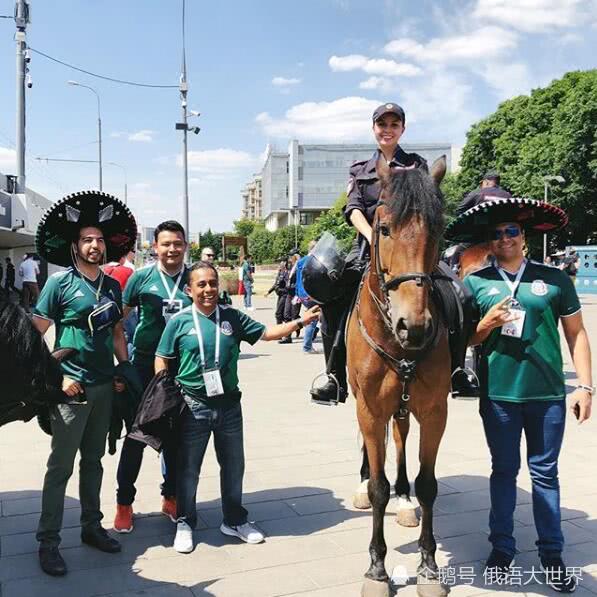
(389, 109)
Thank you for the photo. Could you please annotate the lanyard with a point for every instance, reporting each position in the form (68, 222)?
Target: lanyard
(171, 293)
(99, 287)
(200, 337)
(513, 286)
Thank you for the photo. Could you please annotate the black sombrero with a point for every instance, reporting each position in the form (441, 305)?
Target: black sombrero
(535, 217)
(61, 223)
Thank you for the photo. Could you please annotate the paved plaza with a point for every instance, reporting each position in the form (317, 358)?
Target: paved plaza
(302, 464)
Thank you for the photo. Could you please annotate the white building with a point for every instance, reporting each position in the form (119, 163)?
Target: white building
(309, 178)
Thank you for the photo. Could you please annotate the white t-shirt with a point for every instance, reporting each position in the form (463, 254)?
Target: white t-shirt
(29, 270)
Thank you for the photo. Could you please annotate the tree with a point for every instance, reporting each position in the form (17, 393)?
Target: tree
(285, 240)
(332, 221)
(244, 226)
(213, 240)
(550, 132)
(261, 243)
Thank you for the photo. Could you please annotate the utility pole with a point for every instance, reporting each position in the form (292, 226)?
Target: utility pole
(21, 19)
(184, 89)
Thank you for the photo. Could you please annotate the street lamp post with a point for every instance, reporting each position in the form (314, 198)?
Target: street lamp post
(546, 180)
(125, 180)
(99, 127)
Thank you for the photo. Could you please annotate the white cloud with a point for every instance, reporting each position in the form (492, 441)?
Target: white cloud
(486, 42)
(532, 15)
(8, 160)
(220, 164)
(380, 83)
(342, 120)
(142, 136)
(284, 82)
(373, 66)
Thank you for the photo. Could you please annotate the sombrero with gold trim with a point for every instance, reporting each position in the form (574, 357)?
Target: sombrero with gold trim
(535, 217)
(60, 225)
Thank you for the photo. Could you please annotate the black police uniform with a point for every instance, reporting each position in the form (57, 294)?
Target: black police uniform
(363, 192)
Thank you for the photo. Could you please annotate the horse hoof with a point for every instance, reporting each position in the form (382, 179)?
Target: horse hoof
(360, 499)
(406, 512)
(430, 588)
(375, 588)
(407, 518)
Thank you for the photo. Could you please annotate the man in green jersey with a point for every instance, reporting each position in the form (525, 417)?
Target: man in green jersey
(157, 291)
(521, 374)
(81, 232)
(204, 341)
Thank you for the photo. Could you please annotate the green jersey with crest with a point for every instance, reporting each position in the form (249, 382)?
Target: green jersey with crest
(67, 299)
(145, 289)
(530, 367)
(179, 341)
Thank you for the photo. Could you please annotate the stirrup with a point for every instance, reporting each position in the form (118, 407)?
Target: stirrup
(470, 373)
(329, 377)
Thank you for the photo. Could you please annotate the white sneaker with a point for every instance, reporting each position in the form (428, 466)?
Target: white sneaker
(245, 532)
(183, 542)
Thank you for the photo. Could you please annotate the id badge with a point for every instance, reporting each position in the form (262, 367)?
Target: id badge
(170, 307)
(213, 382)
(513, 329)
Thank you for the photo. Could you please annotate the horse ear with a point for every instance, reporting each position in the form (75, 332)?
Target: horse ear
(438, 169)
(383, 171)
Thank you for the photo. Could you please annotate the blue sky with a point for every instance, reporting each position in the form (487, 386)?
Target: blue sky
(265, 71)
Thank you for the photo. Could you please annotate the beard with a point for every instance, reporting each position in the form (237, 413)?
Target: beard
(94, 260)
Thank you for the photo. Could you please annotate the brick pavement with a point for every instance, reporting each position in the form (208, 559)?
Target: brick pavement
(302, 467)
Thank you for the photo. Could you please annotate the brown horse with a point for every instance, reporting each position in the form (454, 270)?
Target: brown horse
(398, 356)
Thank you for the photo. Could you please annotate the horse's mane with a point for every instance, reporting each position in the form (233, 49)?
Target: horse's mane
(414, 193)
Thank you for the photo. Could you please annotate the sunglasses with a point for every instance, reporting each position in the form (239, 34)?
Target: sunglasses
(507, 232)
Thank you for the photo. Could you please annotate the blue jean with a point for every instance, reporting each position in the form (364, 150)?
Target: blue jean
(543, 424)
(196, 429)
(248, 293)
(309, 335)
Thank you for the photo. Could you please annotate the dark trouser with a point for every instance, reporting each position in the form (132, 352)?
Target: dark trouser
(29, 295)
(543, 424)
(196, 429)
(280, 306)
(83, 428)
(131, 457)
(291, 311)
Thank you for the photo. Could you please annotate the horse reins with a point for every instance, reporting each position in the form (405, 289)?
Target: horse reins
(404, 368)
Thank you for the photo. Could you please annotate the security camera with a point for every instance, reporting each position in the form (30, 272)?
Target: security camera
(27, 57)
(196, 130)
(194, 113)
(29, 82)
(183, 103)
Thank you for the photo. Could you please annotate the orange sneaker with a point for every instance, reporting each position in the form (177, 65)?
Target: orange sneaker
(169, 508)
(123, 521)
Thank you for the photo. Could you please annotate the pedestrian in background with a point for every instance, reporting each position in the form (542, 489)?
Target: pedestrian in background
(247, 280)
(280, 288)
(29, 270)
(9, 280)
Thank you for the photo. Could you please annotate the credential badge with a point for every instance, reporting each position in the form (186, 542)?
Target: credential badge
(226, 328)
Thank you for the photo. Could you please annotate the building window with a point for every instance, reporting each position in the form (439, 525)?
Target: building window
(307, 218)
(300, 173)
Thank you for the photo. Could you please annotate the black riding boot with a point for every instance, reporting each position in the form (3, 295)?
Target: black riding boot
(334, 390)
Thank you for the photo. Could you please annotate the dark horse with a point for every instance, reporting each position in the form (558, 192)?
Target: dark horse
(30, 376)
(398, 356)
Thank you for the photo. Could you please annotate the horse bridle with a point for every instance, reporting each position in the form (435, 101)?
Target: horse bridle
(404, 368)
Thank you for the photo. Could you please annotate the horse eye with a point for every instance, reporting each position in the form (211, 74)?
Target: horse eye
(384, 230)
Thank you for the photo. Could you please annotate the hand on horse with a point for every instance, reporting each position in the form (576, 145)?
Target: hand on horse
(71, 387)
(497, 316)
(311, 314)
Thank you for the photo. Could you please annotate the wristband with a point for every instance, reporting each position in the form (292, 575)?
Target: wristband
(299, 323)
(586, 388)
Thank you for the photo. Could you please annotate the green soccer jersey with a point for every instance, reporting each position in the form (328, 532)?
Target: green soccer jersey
(529, 367)
(179, 341)
(67, 299)
(145, 289)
